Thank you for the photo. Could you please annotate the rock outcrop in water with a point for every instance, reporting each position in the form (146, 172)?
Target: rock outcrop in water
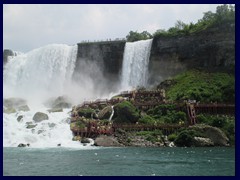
(6, 54)
(12, 105)
(39, 116)
(217, 136)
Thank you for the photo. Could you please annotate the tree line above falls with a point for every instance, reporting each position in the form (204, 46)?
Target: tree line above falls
(225, 14)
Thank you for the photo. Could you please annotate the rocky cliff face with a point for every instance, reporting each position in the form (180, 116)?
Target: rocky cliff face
(107, 56)
(213, 48)
(6, 53)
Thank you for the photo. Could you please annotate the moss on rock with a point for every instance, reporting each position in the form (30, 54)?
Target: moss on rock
(126, 112)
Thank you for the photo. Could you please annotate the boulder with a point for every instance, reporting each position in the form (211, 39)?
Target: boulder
(203, 142)
(85, 140)
(58, 103)
(51, 125)
(9, 110)
(53, 110)
(106, 141)
(19, 118)
(6, 54)
(23, 145)
(76, 138)
(39, 116)
(23, 108)
(30, 125)
(216, 135)
(62, 105)
(105, 113)
(14, 102)
(40, 131)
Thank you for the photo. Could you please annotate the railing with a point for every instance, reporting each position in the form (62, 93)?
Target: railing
(104, 40)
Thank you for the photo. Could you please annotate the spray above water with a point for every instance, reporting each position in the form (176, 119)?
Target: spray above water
(41, 73)
(48, 72)
(135, 64)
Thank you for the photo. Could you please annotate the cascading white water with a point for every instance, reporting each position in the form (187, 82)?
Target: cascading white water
(110, 118)
(41, 73)
(135, 64)
(48, 133)
(36, 76)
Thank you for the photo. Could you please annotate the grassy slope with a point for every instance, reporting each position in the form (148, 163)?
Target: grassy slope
(202, 86)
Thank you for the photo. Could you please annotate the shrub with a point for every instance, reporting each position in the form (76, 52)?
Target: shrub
(146, 119)
(202, 86)
(126, 112)
(86, 112)
(185, 138)
(172, 137)
(152, 136)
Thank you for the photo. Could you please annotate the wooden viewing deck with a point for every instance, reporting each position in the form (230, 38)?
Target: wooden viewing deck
(144, 100)
(92, 131)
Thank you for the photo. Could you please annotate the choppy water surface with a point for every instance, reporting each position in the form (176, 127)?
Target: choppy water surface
(119, 162)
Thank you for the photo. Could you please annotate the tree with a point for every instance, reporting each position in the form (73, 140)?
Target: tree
(180, 25)
(135, 36)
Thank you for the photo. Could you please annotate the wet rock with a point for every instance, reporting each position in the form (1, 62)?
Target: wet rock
(51, 125)
(23, 145)
(9, 110)
(6, 54)
(216, 135)
(14, 102)
(30, 126)
(63, 105)
(40, 131)
(59, 144)
(85, 140)
(76, 138)
(24, 108)
(53, 110)
(106, 141)
(202, 142)
(39, 116)
(58, 103)
(19, 118)
(33, 131)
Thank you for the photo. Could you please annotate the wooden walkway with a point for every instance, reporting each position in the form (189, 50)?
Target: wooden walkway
(93, 131)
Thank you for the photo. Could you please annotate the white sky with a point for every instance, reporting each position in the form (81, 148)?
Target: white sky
(26, 27)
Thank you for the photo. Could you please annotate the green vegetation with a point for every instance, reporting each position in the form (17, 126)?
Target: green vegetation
(225, 14)
(203, 87)
(186, 137)
(172, 137)
(165, 113)
(126, 112)
(80, 124)
(147, 120)
(86, 112)
(135, 36)
(153, 136)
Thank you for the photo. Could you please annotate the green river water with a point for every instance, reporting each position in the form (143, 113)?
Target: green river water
(214, 161)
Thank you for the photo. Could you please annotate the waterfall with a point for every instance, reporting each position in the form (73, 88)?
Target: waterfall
(135, 64)
(42, 73)
(110, 118)
(35, 76)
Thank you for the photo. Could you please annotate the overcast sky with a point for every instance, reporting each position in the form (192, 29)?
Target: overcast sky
(26, 27)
